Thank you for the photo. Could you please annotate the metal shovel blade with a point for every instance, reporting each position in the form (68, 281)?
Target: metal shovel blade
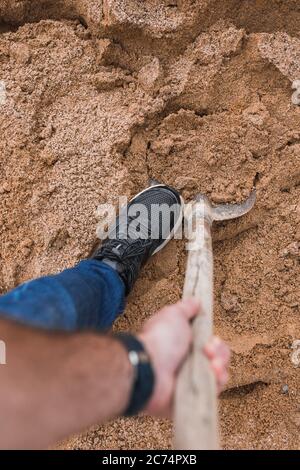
(233, 211)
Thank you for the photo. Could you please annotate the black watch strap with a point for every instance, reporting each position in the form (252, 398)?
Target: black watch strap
(144, 380)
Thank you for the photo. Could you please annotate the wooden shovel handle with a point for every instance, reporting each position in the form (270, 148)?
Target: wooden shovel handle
(195, 414)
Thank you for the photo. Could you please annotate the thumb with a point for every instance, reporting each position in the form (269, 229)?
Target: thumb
(189, 307)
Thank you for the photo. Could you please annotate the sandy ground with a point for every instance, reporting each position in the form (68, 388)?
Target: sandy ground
(100, 96)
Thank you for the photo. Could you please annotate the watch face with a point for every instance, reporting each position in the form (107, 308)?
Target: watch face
(134, 358)
(143, 357)
(138, 357)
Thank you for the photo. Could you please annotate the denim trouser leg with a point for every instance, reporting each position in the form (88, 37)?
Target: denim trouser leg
(89, 296)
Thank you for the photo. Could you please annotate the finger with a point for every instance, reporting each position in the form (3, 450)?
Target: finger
(211, 348)
(217, 348)
(220, 373)
(221, 383)
(222, 349)
(188, 307)
(225, 353)
(219, 369)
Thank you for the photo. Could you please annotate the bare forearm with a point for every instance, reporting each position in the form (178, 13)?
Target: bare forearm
(56, 385)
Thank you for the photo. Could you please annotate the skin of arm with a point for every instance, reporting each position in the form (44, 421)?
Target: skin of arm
(54, 385)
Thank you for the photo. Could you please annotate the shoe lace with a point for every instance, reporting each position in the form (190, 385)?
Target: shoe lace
(129, 259)
(130, 249)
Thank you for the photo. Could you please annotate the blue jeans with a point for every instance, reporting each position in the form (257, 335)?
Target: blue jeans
(87, 297)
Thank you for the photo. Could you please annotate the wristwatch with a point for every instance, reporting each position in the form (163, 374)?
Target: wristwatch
(144, 379)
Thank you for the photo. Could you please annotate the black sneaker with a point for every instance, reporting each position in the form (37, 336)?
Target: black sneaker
(141, 229)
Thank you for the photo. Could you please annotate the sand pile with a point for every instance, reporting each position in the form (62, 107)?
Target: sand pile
(102, 95)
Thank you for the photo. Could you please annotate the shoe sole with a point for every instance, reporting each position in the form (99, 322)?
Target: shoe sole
(176, 226)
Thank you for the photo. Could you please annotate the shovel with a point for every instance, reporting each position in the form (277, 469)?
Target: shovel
(195, 411)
